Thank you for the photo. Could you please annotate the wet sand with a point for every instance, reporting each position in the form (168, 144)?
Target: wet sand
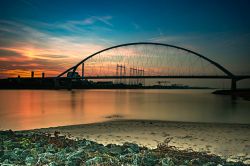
(231, 141)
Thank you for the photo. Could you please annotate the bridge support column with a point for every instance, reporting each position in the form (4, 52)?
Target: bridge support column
(82, 70)
(233, 84)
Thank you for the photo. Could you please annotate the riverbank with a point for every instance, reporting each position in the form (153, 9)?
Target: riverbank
(230, 141)
(37, 148)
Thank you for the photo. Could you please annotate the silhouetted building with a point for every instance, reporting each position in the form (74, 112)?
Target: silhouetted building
(70, 75)
(32, 74)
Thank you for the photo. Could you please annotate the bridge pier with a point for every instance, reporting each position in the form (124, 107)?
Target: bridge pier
(233, 84)
(82, 70)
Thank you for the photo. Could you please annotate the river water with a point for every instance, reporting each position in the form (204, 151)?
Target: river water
(29, 109)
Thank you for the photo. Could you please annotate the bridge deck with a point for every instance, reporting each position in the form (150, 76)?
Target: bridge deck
(169, 77)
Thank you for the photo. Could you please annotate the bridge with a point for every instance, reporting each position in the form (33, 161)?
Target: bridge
(135, 62)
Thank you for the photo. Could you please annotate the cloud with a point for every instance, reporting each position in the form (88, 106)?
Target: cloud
(25, 47)
(8, 53)
(28, 39)
(53, 56)
(164, 38)
(84, 26)
(88, 21)
(94, 19)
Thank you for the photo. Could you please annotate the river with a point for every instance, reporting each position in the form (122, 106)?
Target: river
(29, 109)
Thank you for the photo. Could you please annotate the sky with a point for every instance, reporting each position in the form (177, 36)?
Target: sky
(50, 36)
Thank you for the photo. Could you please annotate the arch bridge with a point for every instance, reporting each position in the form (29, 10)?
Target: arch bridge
(135, 62)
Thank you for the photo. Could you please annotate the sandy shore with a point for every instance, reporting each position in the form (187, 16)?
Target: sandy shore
(230, 141)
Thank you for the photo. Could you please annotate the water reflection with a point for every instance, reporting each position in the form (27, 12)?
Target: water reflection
(42, 103)
(26, 109)
(73, 100)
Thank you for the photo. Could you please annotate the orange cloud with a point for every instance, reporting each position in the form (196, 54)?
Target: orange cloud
(51, 61)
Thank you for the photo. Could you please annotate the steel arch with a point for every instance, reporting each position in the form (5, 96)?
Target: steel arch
(220, 67)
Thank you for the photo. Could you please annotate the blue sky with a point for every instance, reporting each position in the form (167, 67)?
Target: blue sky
(42, 33)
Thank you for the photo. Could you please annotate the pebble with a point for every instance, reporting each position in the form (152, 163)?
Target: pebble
(247, 162)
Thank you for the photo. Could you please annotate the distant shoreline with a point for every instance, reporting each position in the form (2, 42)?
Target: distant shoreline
(194, 88)
(54, 84)
(243, 93)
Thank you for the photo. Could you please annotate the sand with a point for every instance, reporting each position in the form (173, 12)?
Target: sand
(231, 141)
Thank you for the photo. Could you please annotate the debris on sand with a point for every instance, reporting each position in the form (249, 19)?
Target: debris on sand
(36, 148)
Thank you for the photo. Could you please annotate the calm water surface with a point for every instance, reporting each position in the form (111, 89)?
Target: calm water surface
(28, 109)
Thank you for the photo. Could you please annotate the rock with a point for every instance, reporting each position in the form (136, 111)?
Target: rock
(52, 164)
(40, 150)
(130, 159)
(76, 158)
(137, 159)
(211, 164)
(81, 143)
(149, 159)
(25, 143)
(51, 149)
(14, 156)
(114, 149)
(45, 158)
(231, 160)
(103, 149)
(94, 161)
(1, 148)
(69, 149)
(91, 146)
(6, 161)
(8, 145)
(247, 162)
(61, 155)
(87, 142)
(6, 155)
(167, 162)
(241, 155)
(127, 158)
(1, 153)
(18, 151)
(78, 154)
(195, 161)
(30, 160)
(34, 152)
(130, 148)
(24, 154)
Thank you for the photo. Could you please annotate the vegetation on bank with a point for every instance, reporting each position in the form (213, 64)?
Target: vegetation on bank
(36, 148)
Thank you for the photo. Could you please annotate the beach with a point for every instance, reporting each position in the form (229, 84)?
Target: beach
(230, 141)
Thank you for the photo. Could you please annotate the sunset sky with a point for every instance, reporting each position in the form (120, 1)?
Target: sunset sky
(49, 36)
